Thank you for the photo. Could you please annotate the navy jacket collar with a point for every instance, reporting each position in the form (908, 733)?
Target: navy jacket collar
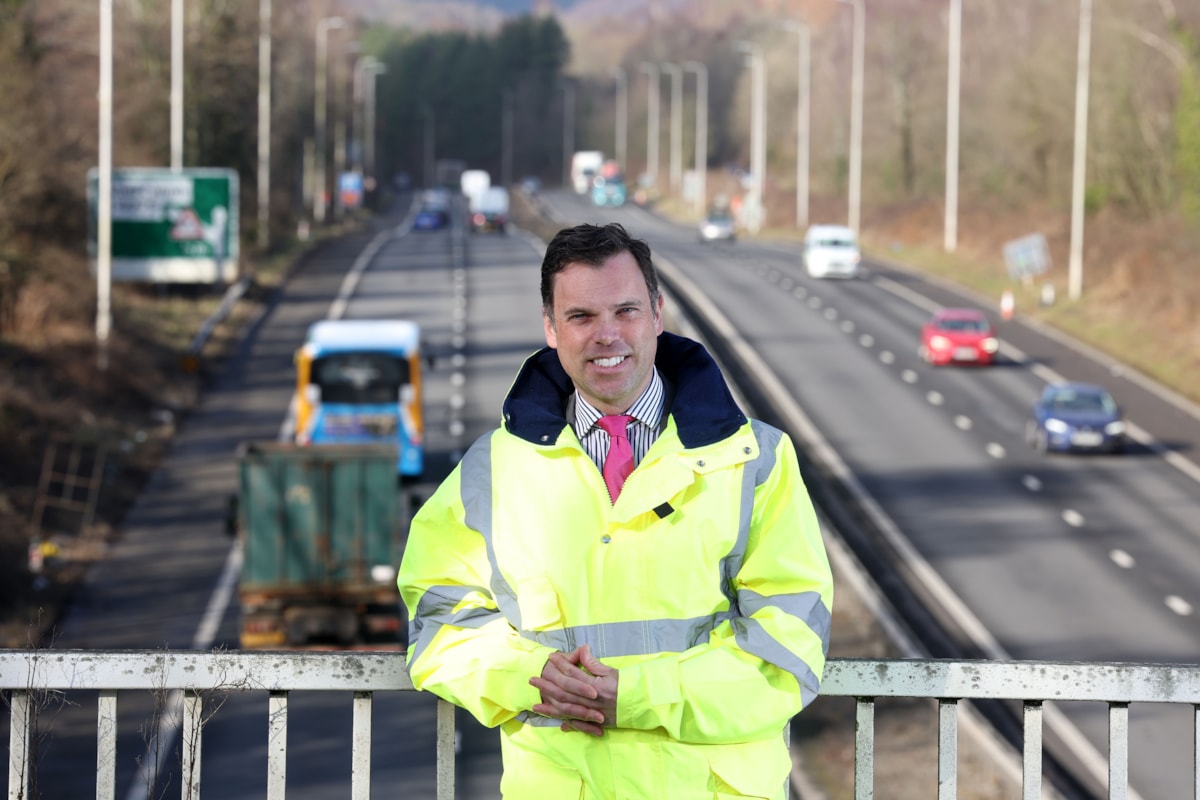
(704, 410)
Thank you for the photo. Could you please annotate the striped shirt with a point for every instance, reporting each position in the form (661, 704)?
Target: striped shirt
(647, 412)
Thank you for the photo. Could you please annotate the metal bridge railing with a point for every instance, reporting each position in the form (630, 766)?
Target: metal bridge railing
(25, 675)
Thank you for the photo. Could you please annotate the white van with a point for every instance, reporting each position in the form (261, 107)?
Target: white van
(831, 251)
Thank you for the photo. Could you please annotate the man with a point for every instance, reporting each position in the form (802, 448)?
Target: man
(648, 640)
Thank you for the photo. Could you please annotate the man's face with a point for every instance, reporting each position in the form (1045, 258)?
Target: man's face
(605, 330)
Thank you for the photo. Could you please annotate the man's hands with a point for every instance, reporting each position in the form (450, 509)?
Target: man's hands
(578, 689)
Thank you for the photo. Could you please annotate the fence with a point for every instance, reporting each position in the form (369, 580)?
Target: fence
(24, 674)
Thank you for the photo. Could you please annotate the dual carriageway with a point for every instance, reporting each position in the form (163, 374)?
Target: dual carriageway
(983, 547)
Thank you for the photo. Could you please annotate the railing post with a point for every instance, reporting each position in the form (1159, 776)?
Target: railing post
(1118, 751)
(20, 748)
(1031, 771)
(106, 745)
(947, 749)
(864, 748)
(445, 750)
(277, 715)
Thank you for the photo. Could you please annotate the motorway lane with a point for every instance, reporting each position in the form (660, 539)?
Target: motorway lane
(158, 583)
(1091, 558)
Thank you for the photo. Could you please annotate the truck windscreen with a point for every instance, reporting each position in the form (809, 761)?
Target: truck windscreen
(360, 378)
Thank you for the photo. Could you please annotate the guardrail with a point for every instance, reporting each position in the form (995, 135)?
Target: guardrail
(25, 675)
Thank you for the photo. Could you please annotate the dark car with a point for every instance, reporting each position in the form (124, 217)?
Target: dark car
(1076, 417)
(717, 226)
(429, 219)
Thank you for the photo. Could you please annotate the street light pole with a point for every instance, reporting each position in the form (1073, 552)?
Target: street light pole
(701, 143)
(676, 164)
(622, 115)
(568, 129)
(176, 85)
(1075, 264)
(803, 115)
(952, 113)
(264, 124)
(856, 113)
(324, 25)
(758, 126)
(374, 70)
(651, 71)
(506, 137)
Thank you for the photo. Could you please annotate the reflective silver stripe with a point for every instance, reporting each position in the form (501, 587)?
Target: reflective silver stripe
(436, 608)
(475, 489)
(754, 640)
(537, 720)
(754, 474)
(805, 606)
(635, 638)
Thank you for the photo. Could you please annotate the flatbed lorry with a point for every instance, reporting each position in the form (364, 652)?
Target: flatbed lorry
(320, 532)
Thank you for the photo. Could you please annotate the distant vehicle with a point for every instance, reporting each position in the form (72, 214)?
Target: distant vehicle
(531, 184)
(474, 182)
(320, 534)
(429, 219)
(718, 226)
(358, 381)
(585, 165)
(1076, 416)
(831, 251)
(958, 335)
(608, 189)
(490, 212)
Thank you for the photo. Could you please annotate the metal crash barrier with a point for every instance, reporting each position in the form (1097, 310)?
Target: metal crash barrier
(27, 675)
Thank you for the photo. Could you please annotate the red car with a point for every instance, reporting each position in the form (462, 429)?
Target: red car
(958, 335)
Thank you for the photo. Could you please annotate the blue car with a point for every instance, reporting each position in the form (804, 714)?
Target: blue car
(429, 219)
(1076, 417)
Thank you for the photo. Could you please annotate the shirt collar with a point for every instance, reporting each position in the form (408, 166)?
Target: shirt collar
(647, 409)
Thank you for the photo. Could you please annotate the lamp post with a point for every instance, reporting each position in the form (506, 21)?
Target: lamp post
(264, 124)
(374, 70)
(701, 143)
(803, 115)
(1075, 261)
(622, 132)
(506, 137)
(856, 113)
(651, 71)
(758, 125)
(176, 85)
(676, 163)
(954, 49)
(324, 25)
(568, 146)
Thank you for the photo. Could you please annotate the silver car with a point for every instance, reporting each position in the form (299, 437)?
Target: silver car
(718, 226)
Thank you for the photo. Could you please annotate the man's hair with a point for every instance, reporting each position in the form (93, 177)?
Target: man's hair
(593, 245)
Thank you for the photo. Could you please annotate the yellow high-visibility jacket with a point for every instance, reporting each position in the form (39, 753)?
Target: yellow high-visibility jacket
(706, 585)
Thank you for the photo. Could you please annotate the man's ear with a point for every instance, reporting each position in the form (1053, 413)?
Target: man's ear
(551, 335)
(658, 313)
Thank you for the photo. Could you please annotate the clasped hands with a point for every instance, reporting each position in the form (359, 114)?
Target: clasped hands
(579, 690)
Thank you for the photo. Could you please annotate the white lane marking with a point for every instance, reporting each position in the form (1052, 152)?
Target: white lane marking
(935, 398)
(908, 376)
(847, 326)
(1073, 518)
(963, 423)
(1121, 558)
(1032, 483)
(887, 357)
(1180, 606)
(995, 450)
(831, 313)
(866, 340)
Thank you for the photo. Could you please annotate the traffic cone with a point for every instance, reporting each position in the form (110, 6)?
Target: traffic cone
(1007, 304)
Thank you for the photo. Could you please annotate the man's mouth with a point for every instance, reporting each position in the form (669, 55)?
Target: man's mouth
(608, 362)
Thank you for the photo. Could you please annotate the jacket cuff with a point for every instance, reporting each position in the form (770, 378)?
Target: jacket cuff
(646, 692)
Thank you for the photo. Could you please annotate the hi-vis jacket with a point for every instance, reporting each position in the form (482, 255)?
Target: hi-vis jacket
(706, 585)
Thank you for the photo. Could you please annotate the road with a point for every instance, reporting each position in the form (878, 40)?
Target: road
(1016, 554)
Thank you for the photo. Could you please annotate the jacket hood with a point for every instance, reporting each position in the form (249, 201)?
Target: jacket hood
(535, 409)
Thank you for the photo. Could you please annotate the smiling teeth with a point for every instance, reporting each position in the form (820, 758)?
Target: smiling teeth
(609, 362)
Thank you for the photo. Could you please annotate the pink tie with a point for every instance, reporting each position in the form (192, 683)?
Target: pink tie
(619, 462)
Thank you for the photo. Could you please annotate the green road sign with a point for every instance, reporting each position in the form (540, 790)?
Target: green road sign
(170, 226)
